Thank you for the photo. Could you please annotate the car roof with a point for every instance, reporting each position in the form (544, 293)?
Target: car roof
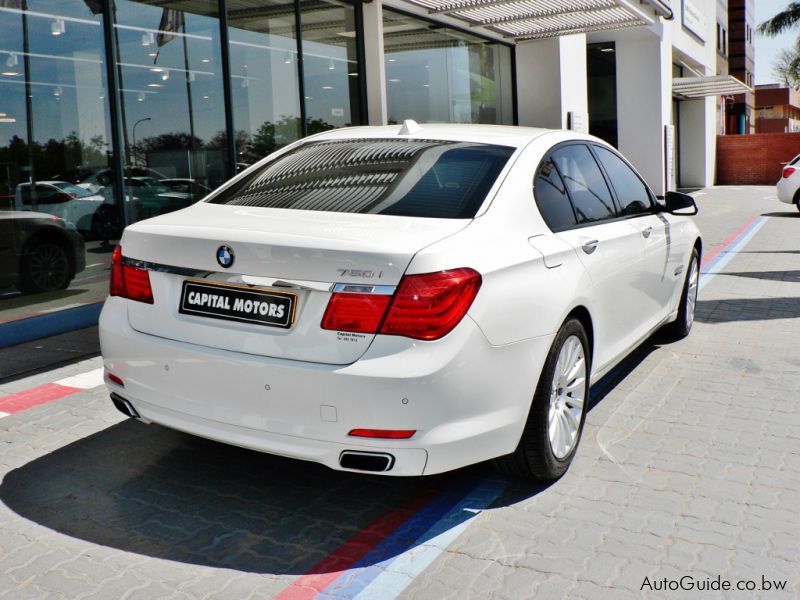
(503, 135)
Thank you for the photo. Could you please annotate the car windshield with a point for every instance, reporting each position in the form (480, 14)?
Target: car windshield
(414, 178)
(73, 190)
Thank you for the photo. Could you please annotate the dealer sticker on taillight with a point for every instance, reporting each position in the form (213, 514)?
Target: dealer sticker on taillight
(238, 303)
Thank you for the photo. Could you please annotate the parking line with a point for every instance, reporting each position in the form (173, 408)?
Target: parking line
(719, 257)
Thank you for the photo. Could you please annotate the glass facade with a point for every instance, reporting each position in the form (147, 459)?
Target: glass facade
(440, 74)
(113, 111)
(163, 115)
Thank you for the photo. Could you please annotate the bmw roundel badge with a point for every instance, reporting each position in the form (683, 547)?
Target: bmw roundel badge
(225, 256)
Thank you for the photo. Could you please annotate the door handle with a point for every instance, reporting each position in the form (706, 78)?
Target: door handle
(647, 231)
(590, 246)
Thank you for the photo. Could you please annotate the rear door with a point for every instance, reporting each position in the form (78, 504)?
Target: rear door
(610, 249)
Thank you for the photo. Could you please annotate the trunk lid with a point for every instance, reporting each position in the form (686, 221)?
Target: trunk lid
(303, 253)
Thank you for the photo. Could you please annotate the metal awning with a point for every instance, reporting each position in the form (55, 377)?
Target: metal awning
(538, 19)
(689, 88)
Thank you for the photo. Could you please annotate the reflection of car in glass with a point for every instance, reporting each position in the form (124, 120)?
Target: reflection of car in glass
(38, 252)
(416, 302)
(153, 198)
(62, 199)
(189, 188)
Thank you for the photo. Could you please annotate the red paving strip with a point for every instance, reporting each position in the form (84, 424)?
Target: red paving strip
(326, 571)
(42, 394)
(717, 250)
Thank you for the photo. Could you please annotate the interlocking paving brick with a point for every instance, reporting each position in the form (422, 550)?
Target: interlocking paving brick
(689, 466)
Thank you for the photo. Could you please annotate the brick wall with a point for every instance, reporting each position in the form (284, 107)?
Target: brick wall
(754, 159)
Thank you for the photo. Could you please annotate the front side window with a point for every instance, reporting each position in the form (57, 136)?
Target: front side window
(584, 180)
(632, 194)
(412, 178)
(552, 199)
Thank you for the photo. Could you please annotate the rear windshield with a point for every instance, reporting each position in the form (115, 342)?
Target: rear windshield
(410, 178)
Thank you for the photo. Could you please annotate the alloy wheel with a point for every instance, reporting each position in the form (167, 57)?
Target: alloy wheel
(567, 397)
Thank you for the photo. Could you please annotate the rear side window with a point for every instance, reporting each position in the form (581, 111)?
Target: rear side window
(584, 180)
(551, 198)
(413, 178)
(632, 194)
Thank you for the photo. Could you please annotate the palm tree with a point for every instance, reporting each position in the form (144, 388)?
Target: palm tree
(786, 19)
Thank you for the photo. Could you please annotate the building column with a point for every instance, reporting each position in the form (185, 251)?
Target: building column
(698, 142)
(374, 65)
(551, 81)
(644, 102)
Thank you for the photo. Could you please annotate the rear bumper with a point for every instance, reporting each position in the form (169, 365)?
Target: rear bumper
(466, 399)
(787, 189)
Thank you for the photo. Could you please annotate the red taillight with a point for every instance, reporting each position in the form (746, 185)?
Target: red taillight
(788, 172)
(386, 434)
(129, 282)
(424, 307)
(429, 306)
(358, 313)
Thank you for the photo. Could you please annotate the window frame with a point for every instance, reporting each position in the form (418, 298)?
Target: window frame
(591, 145)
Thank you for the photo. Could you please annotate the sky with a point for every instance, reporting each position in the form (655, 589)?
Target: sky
(767, 49)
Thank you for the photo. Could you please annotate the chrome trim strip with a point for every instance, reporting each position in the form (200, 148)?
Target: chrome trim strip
(362, 288)
(151, 266)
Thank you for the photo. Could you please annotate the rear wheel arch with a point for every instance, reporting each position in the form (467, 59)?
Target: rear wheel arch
(581, 313)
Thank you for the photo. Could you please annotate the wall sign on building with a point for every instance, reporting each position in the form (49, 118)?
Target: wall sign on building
(694, 18)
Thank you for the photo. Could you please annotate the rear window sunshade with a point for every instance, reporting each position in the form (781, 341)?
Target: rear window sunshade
(414, 178)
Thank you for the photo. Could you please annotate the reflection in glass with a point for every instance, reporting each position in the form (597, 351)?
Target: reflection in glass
(439, 74)
(264, 86)
(54, 134)
(330, 65)
(172, 102)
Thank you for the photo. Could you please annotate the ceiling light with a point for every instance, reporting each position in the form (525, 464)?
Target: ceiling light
(10, 73)
(7, 120)
(57, 91)
(57, 27)
(327, 87)
(140, 97)
(156, 69)
(206, 60)
(392, 59)
(353, 74)
(331, 66)
(394, 80)
(606, 49)
(205, 97)
(155, 85)
(12, 60)
(165, 76)
(148, 38)
(287, 58)
(152, 54)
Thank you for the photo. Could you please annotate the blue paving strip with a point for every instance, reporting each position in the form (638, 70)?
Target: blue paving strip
(60, 321)
(417, 530)
(390, 578)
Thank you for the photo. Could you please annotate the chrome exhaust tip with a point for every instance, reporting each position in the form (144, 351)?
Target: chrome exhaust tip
(373, 462)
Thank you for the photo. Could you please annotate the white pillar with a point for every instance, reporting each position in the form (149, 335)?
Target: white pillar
(697, 142)
(374, 65)
(644, 102)
(551, 81)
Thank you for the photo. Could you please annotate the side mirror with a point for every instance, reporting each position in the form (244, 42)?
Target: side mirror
(680, 204)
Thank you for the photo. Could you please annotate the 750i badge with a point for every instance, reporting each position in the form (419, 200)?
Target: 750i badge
(237, 303)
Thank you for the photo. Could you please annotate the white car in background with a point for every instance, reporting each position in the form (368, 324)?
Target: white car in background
(789, 184)
(403, 301)
(68, 201)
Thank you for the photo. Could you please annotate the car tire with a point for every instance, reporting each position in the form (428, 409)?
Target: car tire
(556, 410)
(106, 223)
(796, 199)
(46, 267)
(682, 325)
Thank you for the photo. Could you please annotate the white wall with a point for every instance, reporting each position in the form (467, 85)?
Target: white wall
(551, 80)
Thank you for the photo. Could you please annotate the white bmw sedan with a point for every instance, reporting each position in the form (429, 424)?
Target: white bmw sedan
(403, 301)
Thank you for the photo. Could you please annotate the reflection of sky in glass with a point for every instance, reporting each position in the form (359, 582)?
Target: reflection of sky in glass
(154, 79)
(67, 73)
